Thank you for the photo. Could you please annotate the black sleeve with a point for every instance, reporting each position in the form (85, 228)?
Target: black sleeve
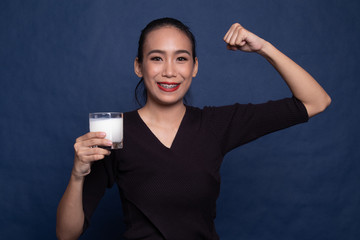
(238, 124)
(102, 176)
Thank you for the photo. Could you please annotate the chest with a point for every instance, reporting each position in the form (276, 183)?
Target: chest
(147, 169)
(163, 134)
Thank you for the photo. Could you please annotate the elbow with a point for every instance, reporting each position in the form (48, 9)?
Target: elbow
(62, 234)
(328, 101)
(325, 103)
(59, 235)
(319, 107)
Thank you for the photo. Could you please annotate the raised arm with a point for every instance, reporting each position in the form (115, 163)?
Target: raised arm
(303, 86)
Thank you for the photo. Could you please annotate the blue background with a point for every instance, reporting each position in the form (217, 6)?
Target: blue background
(60, 60)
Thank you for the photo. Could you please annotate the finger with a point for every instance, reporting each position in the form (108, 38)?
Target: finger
(97, 142)
(92, 158)
(240, 37)
(92, 142)
(233, 48)
(243, 37)
(235, 36)
(232, 31)
(90, 135)
(95, 151)
(240, 42)
(229, 33)
(87, 155)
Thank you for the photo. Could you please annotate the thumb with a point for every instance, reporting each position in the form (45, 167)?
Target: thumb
(231, 47)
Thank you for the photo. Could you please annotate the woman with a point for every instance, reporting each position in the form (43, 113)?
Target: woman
(168, 172)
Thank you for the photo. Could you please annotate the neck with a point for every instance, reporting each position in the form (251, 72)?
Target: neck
(163, 113)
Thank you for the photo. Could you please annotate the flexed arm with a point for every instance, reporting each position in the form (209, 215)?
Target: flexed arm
(301, 83)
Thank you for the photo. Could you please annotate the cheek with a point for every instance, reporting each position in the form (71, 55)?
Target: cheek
(151, 70)
(186, 70)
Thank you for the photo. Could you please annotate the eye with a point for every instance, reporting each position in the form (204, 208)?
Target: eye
(155, 58)
(181, 59)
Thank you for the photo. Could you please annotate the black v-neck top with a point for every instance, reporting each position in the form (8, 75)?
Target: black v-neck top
(171, 193)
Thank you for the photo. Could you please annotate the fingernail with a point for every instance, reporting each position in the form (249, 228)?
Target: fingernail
(109, 142)
(102, 134)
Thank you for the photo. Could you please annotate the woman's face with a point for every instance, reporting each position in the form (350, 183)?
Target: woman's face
(168, 65)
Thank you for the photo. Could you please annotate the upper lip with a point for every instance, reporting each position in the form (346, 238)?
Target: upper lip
(169, 83)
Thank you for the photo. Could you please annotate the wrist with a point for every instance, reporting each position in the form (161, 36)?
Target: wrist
(78, 177)
(265, 50)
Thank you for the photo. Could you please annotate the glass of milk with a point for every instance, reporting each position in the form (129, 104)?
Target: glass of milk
(111, 123)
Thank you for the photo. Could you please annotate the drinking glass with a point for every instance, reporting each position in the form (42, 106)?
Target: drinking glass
(111, 123)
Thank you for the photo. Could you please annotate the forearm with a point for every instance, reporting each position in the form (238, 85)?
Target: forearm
(70, 214)
(301, 83)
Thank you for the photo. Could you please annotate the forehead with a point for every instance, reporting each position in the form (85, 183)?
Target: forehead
(167, 37)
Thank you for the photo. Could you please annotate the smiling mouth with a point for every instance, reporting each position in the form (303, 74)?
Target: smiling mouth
(168, 87)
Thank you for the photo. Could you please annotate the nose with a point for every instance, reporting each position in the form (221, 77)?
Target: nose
(169, 69)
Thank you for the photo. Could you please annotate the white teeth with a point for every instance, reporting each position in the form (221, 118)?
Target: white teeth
(168, 86)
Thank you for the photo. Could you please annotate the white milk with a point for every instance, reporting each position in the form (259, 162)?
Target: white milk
(112, 126)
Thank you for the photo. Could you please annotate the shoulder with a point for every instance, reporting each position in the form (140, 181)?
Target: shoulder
(213, 109)
(213, 116)
(243, 112)
(220, 111)
(131, 119)
(131, 114)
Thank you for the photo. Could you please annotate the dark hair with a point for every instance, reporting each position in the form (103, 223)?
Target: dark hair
(153, 25)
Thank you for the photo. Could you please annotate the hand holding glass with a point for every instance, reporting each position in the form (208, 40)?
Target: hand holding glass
(111, 123)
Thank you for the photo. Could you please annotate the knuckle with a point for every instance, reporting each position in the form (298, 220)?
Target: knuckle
(92, 142)
(100, 151)
(81, 160)
(97, 150)
(76, 146)
(81, 155)
(96, 157)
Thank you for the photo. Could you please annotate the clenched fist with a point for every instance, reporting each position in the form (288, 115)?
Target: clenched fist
(238, 38)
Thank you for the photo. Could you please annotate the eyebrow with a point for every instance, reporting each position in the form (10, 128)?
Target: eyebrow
(163, 52)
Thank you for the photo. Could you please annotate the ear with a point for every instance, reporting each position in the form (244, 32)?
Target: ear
(196, 67)
(137, 68)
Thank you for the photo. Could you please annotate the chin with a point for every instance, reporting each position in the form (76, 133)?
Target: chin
(167, 101)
